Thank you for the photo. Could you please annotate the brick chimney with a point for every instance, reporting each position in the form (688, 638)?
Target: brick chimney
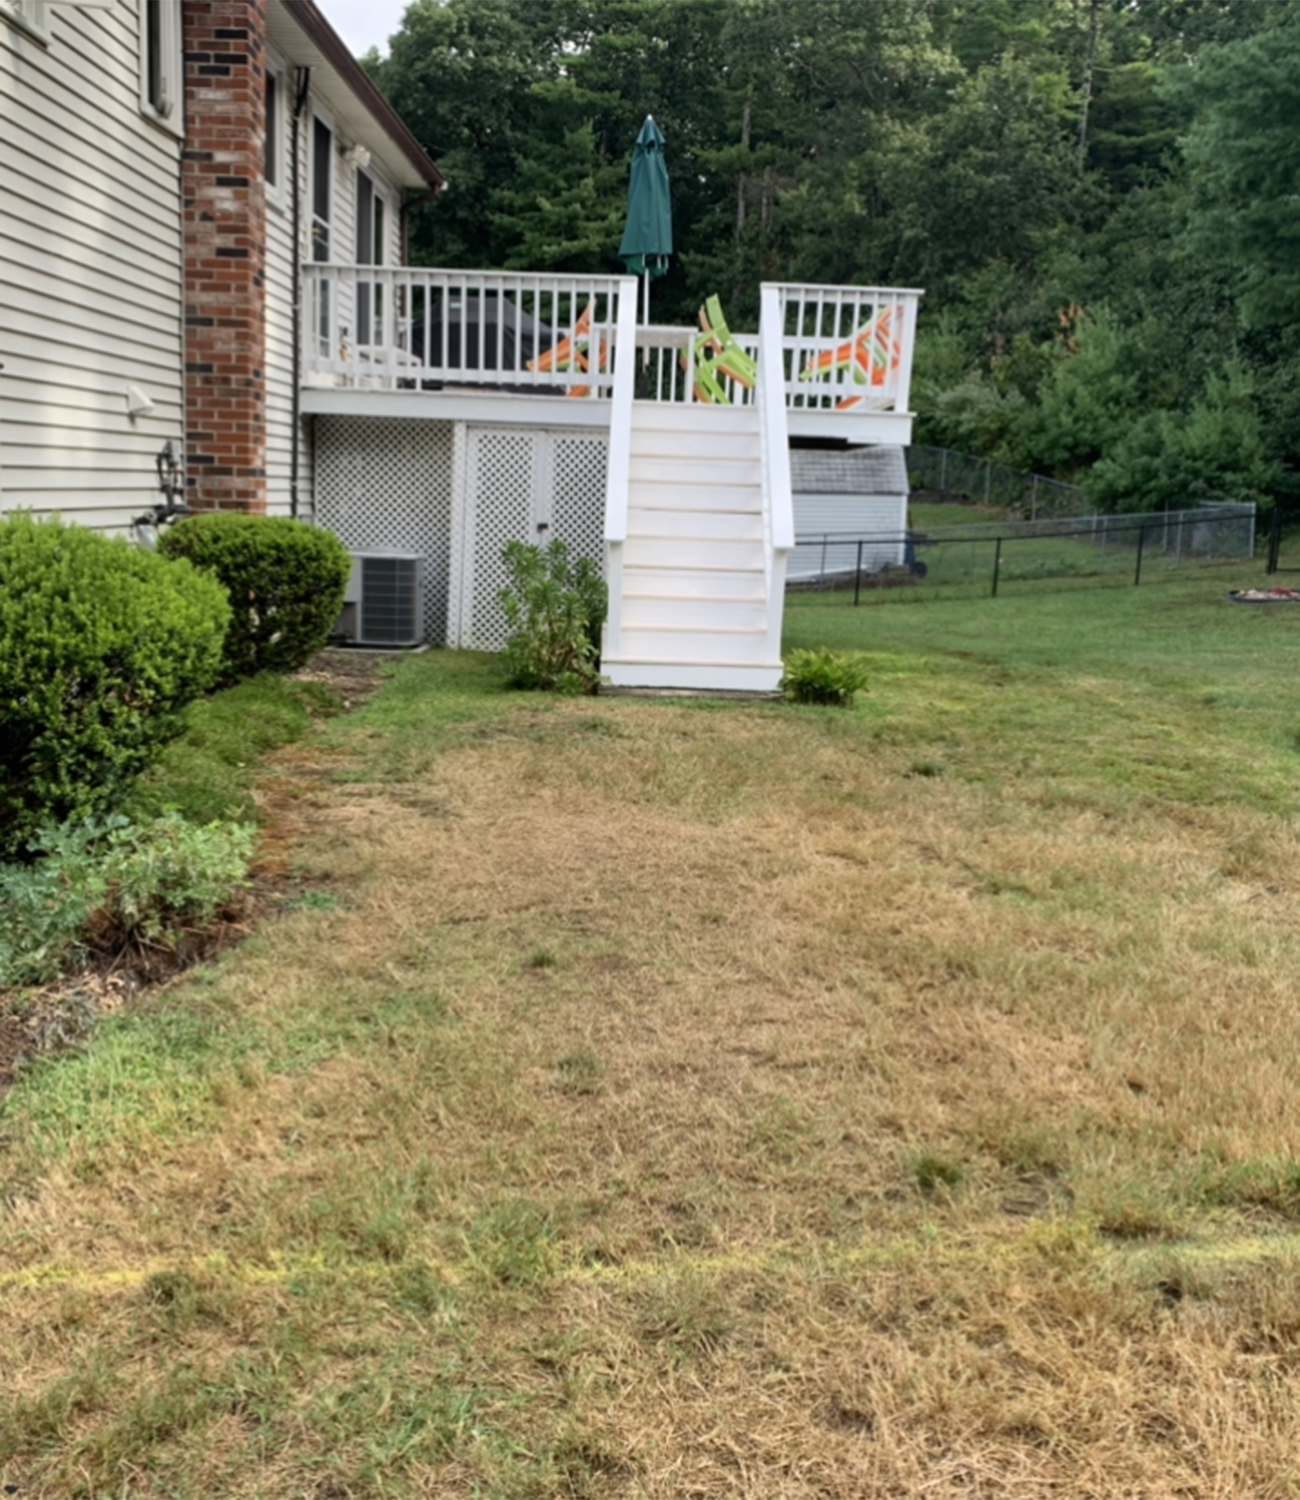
(225, 253)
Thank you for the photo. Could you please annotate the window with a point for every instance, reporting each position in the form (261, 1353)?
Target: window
(278, 126)
(370, 252)
(272, 165)
(322, 204)
(161, 79)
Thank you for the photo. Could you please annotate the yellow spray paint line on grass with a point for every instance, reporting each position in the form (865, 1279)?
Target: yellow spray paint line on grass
(284, 1270)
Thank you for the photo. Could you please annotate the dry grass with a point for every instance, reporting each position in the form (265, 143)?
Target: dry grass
(689, 1102)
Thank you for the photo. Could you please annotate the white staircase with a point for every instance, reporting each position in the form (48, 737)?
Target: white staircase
(698, 525)
(695, 567)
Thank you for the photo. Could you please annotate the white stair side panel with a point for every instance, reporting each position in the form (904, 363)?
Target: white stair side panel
(748, 584)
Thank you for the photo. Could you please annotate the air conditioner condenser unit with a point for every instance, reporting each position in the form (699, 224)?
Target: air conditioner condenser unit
(384, 602)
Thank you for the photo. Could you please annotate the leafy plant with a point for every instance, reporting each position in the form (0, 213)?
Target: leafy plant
(104, 644)
(285, 581)
(554, 608)
(822, 676)
(114, 886)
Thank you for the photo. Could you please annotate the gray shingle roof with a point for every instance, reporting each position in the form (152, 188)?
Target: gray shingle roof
(851, 471)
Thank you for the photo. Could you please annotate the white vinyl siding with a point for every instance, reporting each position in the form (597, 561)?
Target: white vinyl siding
(279, 365)
(279, 290)
(90, 270)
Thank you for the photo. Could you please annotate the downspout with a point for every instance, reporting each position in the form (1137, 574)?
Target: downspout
(299, 104)
(404, 219)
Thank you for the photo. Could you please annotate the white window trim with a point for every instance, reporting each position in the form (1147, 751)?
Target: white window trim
(33, 18)
(172, 118)
(277, 193)
(310, 115)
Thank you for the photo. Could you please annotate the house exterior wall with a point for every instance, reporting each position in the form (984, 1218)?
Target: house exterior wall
(90, 269)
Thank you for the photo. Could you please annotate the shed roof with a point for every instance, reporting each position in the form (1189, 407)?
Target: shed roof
(848, 471)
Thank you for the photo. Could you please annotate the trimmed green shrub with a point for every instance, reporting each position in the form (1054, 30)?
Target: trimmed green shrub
(823, 677)
(115, 886)
(101, 647)
(285, 580)
(554, 609)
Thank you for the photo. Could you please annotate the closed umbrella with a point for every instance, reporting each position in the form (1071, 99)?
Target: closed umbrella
(648, 237)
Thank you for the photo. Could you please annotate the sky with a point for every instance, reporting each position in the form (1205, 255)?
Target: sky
(364, 24)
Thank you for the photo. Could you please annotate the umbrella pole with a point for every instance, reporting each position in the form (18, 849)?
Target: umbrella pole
(645, 352)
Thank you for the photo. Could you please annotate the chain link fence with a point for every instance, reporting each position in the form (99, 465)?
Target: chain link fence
(949, 475)
(986, 557)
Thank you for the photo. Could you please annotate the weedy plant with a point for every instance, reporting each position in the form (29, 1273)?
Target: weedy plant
(823, 676)
(554, 607)
(114, 886)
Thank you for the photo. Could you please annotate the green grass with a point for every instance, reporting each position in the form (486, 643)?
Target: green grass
(208, 774)
(748, 1099)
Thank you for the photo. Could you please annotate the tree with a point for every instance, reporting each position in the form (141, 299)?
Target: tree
(1243, 154)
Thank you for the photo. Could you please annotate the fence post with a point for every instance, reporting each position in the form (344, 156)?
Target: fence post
(1274, 538)
(997, 565)
(1137, 572)
(943, 469)
(857, 577)
(988, 480)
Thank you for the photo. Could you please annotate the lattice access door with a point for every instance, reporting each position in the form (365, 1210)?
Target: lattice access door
(521, 484)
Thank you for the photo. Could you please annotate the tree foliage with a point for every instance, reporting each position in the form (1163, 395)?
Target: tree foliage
(1128, 165)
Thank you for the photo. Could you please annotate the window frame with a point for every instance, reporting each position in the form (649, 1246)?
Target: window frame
(276, 154)
(323, 314)
(31, 17)
(169, 51)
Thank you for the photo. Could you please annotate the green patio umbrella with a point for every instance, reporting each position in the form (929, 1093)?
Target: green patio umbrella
(648, 237)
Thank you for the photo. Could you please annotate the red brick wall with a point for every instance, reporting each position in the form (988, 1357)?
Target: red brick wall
(225, 253)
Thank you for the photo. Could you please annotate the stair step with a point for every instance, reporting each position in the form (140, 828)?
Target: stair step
(690, 643)
(692, 552)
(718, 677)
(674, 416)
(725, 447)
(748, 585)
(646, 612)
(687, 499)
(695, 472)
(693, 525)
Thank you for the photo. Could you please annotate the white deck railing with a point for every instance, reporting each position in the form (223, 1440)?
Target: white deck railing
(403, 328)
(843, 349)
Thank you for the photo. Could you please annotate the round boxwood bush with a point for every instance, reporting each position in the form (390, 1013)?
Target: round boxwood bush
(101, 647)
(285, 580)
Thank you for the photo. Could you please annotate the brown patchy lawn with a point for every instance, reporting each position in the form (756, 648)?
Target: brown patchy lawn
(668, 1100)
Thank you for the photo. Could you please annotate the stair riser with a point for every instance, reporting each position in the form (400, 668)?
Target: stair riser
(666, 468)
(657, 416)
(693, 678)
(691, 525)
(737, 498)
(706, 614)
(694, 645)
(671, 554)
(703, 447)
(695, 583)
